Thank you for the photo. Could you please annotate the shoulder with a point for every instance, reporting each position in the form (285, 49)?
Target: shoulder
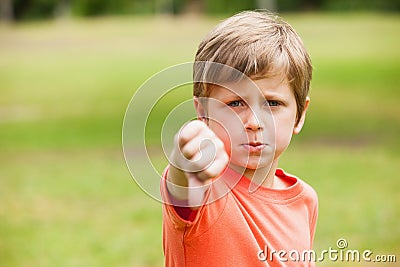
(307, 191)
(309, 198)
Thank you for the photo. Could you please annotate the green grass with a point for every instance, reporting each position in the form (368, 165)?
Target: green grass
(75, 208)
(67, 198)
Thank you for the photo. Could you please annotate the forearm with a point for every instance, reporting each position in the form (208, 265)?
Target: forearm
(177, 183)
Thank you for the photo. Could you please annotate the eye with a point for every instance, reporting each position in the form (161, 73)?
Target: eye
(236, 103)
(273, 103)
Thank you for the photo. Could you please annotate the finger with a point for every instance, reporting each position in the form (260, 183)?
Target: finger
(201, 158)
(217, 166)
(193, 149)
(190, 131)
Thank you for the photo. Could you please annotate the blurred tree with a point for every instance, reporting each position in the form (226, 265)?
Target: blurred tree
(89, 7)
(228, 6)
(270, 5)
(33, 9)
(340, 5)
(6, 10)
(63, 8)
(169, 6)
(311, 4)
(193, 6)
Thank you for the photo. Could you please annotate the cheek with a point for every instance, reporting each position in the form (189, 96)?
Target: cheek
(222, 133)
(227, 128)
(283, 132)
(282, 140)
(226, 125)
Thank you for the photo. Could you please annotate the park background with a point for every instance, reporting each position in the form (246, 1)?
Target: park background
(68, 70)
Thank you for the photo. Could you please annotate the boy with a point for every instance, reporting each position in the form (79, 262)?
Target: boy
(226, 202)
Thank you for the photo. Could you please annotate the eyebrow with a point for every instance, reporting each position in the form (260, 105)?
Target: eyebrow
(267, 94)
(273, 95)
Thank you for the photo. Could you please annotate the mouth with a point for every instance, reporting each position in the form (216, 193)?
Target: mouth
(254, 147)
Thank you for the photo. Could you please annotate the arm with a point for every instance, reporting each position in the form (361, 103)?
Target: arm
(198, 155)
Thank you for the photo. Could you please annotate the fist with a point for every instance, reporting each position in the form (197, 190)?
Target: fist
(198, 152)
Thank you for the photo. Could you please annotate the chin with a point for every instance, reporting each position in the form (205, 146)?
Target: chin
(252, 165)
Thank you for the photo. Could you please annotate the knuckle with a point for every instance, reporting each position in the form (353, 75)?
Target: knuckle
(185, 152)
(182, 136)
(185, 134)
(177, 138)
(191, 129)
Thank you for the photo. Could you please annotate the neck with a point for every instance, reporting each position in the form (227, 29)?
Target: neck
(261, 176)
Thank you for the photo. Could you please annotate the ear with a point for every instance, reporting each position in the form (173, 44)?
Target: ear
(297, 128)
(200, 110)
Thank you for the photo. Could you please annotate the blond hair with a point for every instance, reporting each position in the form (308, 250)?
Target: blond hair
(258, 44)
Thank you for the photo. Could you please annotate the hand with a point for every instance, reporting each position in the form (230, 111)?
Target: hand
(198, 156)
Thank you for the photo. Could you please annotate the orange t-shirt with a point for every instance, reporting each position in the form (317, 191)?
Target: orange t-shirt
(244, 229)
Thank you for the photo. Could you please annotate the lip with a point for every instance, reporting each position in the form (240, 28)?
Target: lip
(254, 147)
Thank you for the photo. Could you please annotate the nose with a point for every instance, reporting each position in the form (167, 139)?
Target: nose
(251, 121)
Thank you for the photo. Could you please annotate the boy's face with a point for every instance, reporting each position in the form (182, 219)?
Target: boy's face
(255, 124)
